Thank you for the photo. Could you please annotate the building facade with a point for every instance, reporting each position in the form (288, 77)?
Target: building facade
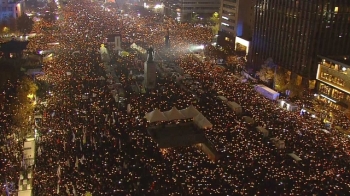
(333, 80)
(237, 20)
(11, 9)
(294, 32)
(188, 9)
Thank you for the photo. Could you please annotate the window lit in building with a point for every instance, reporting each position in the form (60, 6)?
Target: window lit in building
(336, 9)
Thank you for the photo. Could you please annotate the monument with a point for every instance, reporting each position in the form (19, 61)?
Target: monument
(167, 39)
(150, 70)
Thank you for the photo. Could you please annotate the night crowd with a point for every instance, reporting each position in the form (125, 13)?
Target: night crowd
(90, 143)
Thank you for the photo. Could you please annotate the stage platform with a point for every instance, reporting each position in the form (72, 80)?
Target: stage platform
(184, 134)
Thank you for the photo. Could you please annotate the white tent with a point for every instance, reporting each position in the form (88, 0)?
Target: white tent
(198, 118)
(25, 193)
(174, 114)
(263, 131)
(190, 112)
(235, 107)
(205, 124)
(155, 116)
(295, 157)
(222, 98)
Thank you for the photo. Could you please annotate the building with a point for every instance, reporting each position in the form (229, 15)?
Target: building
(293, 33)
(155, 5)
(11, 9)
(237, 20)
(333, 80)
(188, 10)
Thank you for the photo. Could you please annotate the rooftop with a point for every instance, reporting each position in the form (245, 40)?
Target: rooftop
(341, 59)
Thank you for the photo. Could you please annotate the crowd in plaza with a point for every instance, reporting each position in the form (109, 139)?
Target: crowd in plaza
(88, 143)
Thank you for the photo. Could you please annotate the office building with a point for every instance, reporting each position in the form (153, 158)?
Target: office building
(154, 5)
(188, 9)
(11, 9)
(294, 32)
(333, 80)
(237, 20)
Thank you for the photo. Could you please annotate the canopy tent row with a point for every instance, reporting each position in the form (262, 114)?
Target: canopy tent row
(175, 114)
(279, 144)
(263, 131)
(235, 107)
(231, 104)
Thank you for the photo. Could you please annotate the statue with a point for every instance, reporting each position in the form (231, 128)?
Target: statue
(150, 54)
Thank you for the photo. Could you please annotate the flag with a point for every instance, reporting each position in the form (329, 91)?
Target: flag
(84, 137)
(59, 171)
(128, 108)
(39, 151)
(74, 191)
(67, 189)
(58, 188)
(73, 139)
(82, 159)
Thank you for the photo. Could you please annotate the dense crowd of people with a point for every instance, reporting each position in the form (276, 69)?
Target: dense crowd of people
(90, 143)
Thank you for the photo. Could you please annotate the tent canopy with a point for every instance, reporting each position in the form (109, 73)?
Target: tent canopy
(190, 112)
(234, 106)
(198, 118)
(25, 193)
(263, 131)
(222, 98)
(295, 157)
(155, 116)
(248, 120)
(174, 114)
(205, 124)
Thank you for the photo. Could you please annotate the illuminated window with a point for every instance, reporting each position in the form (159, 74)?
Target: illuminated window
(227, 39)
(336, 9)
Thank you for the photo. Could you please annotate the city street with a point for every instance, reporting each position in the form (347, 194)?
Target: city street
(91, 142)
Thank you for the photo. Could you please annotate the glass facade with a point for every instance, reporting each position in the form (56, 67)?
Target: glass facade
(294, 32)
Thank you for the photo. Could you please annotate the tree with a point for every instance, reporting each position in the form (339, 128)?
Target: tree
(22, 107)
(296, 90)
(4, 27)
(24, 24)
(194, 17)
(265, 74)
(281, 79)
